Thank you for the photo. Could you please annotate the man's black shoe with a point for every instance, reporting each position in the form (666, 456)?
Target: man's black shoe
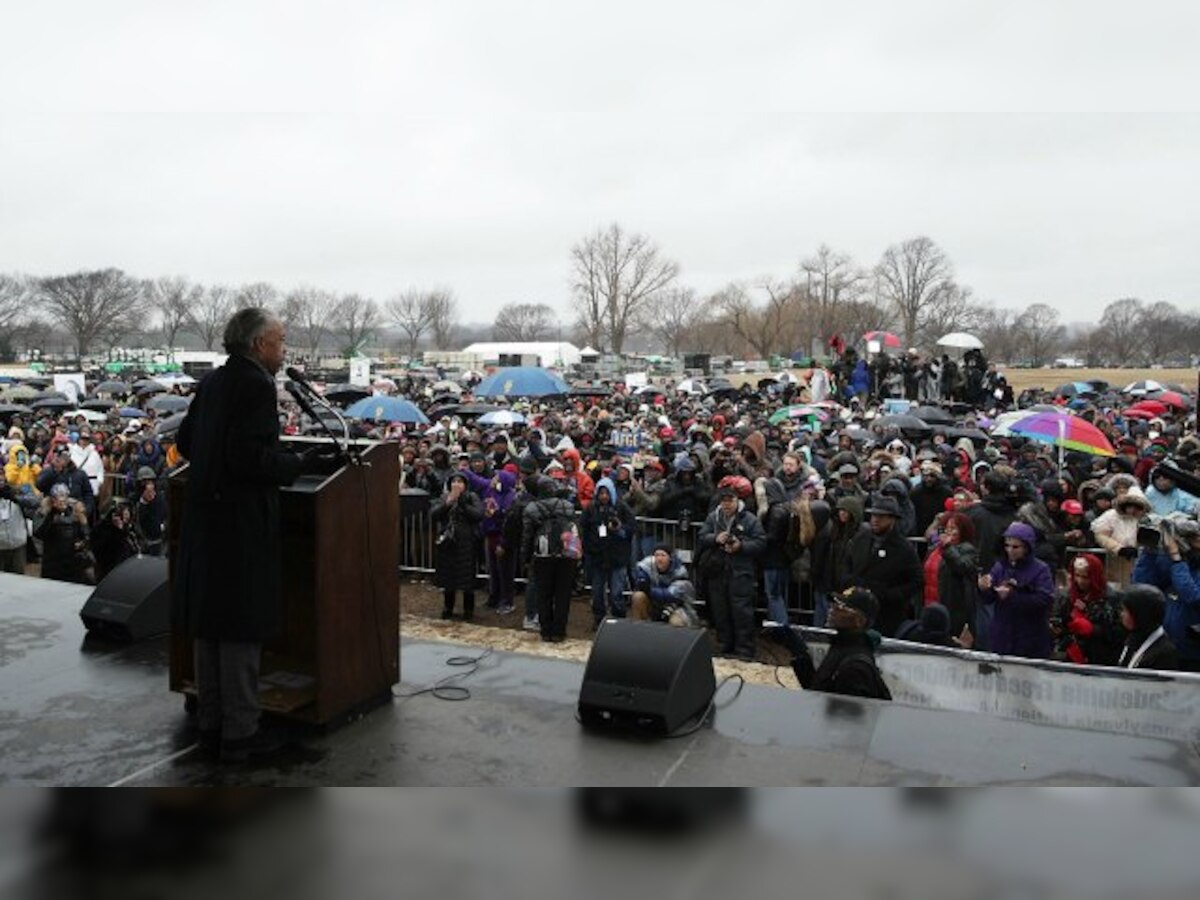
(209, 741)
(260, 744)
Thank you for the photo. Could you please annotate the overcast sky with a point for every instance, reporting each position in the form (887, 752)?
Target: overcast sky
(1051, 149)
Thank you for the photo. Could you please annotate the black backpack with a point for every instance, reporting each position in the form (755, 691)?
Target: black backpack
(557, 534)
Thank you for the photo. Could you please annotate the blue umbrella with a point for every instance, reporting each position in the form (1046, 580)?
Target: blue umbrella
(387, 409)
(521, 381)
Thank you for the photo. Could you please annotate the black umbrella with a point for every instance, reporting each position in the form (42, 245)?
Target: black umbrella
(858, 435)
(933, 415)
(908, 425)
(720, 384)
(170, 424)
(97, 405)
(37, 381)
(345, 394)
(111, 387)
(48, 395)
(144, 383)
(974, 435)
(446, 409)
(13, 409)
(152, 388)
(169, 403)
(1099, 384)
(475, 409)
(51, 403)
(591, 390)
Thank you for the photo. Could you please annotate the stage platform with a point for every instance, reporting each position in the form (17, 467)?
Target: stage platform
(74, 711)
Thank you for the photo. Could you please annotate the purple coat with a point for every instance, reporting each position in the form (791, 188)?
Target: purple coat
(497, 494)
(1021, 624)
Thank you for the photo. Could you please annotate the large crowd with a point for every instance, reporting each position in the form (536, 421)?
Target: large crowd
(711, 508)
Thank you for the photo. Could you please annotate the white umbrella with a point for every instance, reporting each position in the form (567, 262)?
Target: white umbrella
(89, 414)
(1139, 388)
(502, 417)
(447, 386)
(690, 386)
(960, 340)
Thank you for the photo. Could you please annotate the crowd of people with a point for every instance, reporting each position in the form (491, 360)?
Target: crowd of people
(708, 509)
(81, 497)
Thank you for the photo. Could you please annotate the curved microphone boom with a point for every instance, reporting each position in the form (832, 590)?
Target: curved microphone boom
(348, 451)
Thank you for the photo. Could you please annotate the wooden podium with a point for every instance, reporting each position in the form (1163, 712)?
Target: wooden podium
(340, 650)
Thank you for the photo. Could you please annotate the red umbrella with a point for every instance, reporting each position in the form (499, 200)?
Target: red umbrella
(1132, 413)
(1171, 398)
(885, 338)
(1154, 407)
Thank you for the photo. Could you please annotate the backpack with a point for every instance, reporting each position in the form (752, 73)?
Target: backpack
(557, 534)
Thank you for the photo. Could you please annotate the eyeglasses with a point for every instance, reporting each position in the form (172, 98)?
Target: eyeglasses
(1013, 546)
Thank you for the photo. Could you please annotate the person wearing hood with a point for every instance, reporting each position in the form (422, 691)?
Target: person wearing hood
(1087, 621)
(732, 539)
(88, 460)
(607, 527)
(1166, 497)
(20, 473)
(1116, 532)
(933, 627)
(882, 560)
(686, 496)
(442, 467)
(1174, 568)
(777, 526)
(1147, 646)
(751, 457)
(62, 471)
(1020, 590)
(16, 509)
(951, 571)
(929, 496)
(896, 486)
(581, 483)
(554, 568)
(497, 494)
(663, 590)
(991, 516)
(457, 515)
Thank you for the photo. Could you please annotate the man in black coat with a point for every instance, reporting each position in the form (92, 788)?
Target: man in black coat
(228, 592)
(883, 561)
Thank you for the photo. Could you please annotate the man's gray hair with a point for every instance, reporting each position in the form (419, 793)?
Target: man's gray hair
(246, 326)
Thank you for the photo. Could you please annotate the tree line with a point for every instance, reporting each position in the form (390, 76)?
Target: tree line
(627, 295)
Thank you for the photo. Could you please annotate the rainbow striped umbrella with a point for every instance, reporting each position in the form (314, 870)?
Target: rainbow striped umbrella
(1061, 430)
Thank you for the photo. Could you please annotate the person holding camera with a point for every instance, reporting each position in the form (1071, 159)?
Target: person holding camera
(457, 513)
(607, 526)
(1173, 566)
(63, 530)
(732, 539)
(1116, 531)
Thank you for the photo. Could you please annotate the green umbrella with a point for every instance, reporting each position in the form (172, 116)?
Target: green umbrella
(799, 411)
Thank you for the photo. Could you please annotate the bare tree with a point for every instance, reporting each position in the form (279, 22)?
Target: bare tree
(262, 294)
(997, 330)
(831, 280)
(411, 313)
(764, 326)
(173, 298)
(15, 295)
(356, 320)
(308, 313)
(952, 309)
(443, 317)
(1163, 329)
(210, 314)
(93, 306)
(524, 322)
(671, 317)
(1121, 325)
(614, 275)
(912, 276)
(1039, 333)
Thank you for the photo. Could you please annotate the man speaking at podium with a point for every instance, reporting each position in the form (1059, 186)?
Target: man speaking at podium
(228, 593)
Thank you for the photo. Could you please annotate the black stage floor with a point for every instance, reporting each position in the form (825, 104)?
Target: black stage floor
(77, 712)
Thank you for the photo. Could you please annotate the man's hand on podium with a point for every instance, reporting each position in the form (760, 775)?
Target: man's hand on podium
(321, 459)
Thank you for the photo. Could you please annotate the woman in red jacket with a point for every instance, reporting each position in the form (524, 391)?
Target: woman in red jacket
(1087, 622)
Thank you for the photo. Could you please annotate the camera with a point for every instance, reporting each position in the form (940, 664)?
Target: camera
(1152, 529)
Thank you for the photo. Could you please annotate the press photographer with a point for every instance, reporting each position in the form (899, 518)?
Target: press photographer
(1169, 559)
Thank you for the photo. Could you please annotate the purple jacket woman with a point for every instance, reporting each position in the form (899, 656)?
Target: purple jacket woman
(1020, 589)
(497, 493)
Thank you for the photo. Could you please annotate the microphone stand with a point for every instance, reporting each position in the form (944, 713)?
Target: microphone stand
(349, 451)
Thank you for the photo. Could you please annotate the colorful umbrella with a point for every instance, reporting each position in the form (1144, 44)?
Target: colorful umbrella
(800, 411)
(1058, 429)
(1143, 387)
(885, 338)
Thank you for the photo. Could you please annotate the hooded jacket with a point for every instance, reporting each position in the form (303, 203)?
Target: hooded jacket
(776, 524)
(1180, 581)
(1146, 647)
(19, 472)
(497, 494)
(585, 488)
(609, 550)
(1021, 622)
(669, 590)
(1091, 618)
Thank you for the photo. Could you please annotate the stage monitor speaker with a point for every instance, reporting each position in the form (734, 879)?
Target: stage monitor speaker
(132, 602)
(646, 677)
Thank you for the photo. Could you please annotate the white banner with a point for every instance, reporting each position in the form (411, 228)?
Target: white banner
(1117, 701)
(360, 371)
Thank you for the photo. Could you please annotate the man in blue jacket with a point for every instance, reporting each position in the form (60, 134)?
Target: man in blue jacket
(734, 539)
(1174, 568)
(607, 527)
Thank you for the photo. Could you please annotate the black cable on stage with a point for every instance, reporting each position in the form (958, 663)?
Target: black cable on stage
(443, 689)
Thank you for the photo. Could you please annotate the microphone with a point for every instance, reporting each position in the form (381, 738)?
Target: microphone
(297, 376)
(347, 450)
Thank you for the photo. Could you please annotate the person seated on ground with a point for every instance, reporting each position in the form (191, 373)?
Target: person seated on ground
(663, 590)
(1147, 645)
(849, 665)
